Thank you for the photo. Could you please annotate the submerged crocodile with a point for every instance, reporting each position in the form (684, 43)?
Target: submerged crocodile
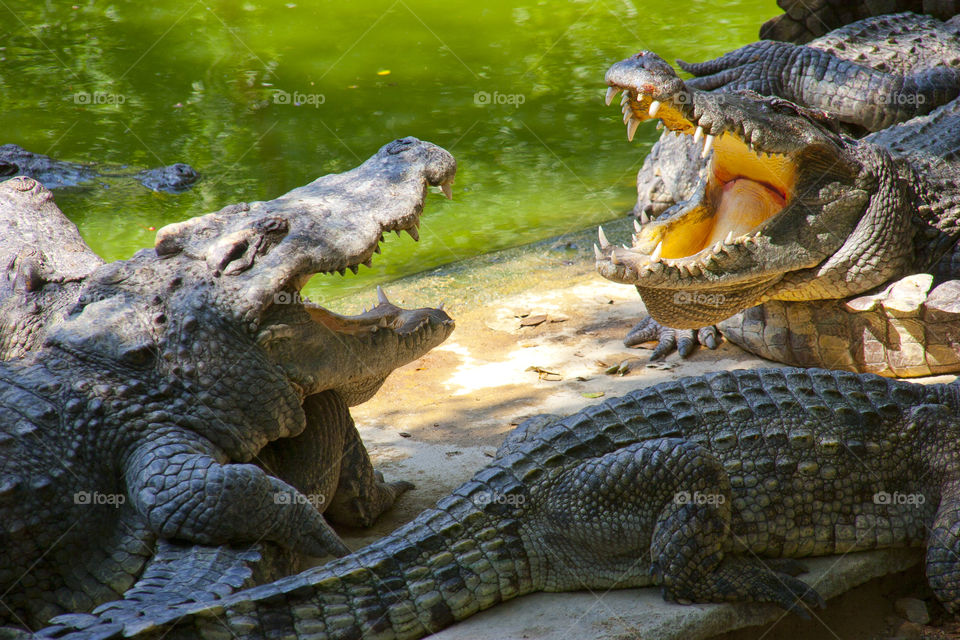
(706, 487)
(56, 174)
(154, 408)
(810, 192)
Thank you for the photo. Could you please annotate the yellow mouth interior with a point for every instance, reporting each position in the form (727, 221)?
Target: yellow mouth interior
(745, 189)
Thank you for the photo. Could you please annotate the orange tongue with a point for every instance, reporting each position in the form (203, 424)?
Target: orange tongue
(743, 205)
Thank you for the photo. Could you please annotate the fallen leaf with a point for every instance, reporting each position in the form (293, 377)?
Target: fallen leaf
(383, 72)
(521, 314)
(404, 434)
(593, 394)
(533, 321)
(559, 319)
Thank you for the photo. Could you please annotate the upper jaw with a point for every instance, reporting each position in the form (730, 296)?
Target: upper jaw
(754, 150)
(332, 224)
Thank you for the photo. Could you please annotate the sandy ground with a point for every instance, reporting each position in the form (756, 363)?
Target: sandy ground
(537, 329)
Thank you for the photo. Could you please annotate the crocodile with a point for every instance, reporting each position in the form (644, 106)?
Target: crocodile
(710, 488)
(57, 174)
(805, 201)
(178, 423)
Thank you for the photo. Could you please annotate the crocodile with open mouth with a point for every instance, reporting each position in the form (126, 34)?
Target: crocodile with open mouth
(179, 421)
(840, 251)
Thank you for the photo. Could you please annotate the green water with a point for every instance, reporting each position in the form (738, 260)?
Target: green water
(194, 81)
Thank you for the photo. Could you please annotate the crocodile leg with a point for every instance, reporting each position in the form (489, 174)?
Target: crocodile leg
(329, 464)
(668, 338)
(186, 493)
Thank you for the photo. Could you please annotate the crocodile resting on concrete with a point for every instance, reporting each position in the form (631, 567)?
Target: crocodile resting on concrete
(815, 189)
(707, 487)
(157, 410)
(56, 174)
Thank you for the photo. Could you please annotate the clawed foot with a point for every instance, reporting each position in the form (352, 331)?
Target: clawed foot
(668, 339)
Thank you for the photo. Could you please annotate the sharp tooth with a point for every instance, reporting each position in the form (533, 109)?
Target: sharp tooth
(604, 243)
(377, 249)
(613, 258)
(655, 256)
(413, 233)
(611, 94)
(354, 268)
(625, 99)
(447, 191)
(368, 263)
(717, 247)
(342, 272)
(706, 146)
(698, 134)
(383, 323)
(729, 238)
(644, 218)
(636, 225)
(654, 107)
(632, 128)
(596, 252)
(659, 125)
(440, 306)
(381, 296)
(627, 114)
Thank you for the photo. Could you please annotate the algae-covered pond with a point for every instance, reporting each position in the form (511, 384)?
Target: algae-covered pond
(262, 97)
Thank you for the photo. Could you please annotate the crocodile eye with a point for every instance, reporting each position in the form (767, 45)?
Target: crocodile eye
(139, 356)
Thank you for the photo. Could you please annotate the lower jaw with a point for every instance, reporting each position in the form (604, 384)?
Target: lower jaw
(695, 308)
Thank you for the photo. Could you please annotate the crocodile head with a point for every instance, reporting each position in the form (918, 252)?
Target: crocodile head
(217, 300)
(782, 205)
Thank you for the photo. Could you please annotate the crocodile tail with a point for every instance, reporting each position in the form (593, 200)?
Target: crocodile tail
(804, 20)
(444, 566)
(907, 330)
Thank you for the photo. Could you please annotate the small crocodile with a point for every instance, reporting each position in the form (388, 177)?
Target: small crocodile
(707, 487)
(157, 410)
(56, 174)
(847, 242)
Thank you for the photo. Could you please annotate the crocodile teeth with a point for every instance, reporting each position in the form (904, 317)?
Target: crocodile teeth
(698, 134)
(717, 247)
(447, 191)
(381, 296)
(659, 125)
(413, 233)
(354, 268)
(644, 218)
(377, 248)
(632, 128)
(597, 253)
(655, 256)
(625, 99)
(604, 243)
(729, 238)
(611, 94)
(367, 263)
(654, 107)
(636, 225)
(707, 145)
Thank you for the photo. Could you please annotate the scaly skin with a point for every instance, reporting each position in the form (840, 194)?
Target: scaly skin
(854, 215)
(191, 395)
(693, 486)
(56, 174)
